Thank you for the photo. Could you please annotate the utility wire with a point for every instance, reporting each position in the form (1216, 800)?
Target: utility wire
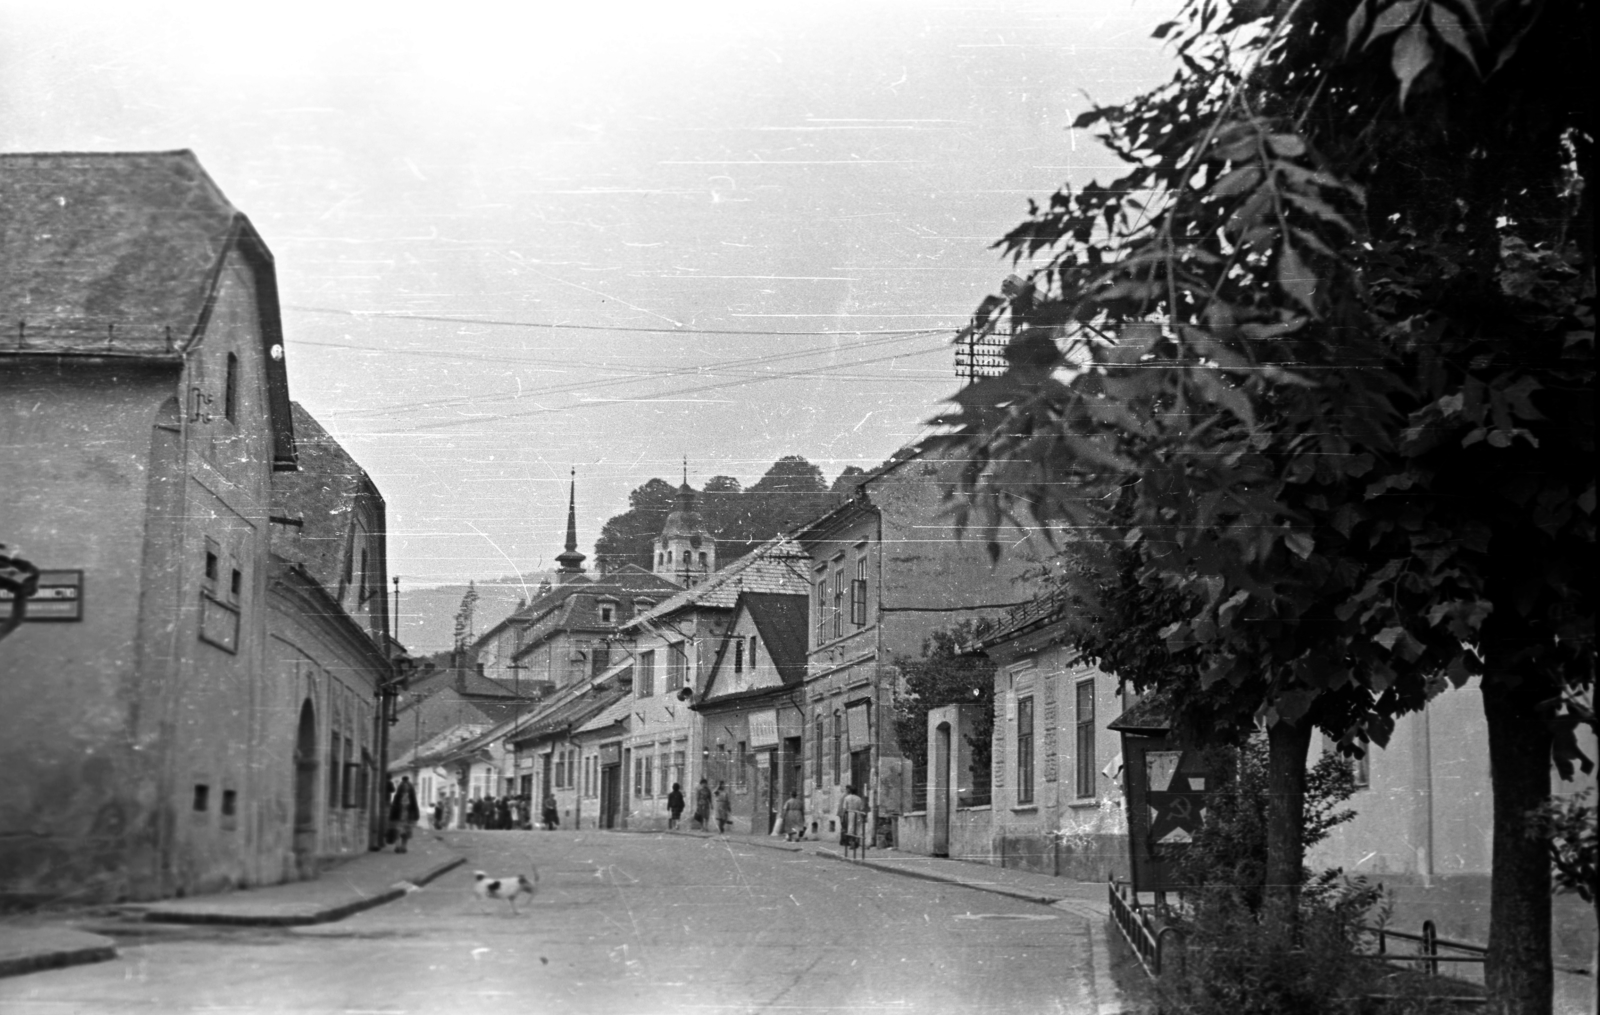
(591, 384)
(781, 375)
(442, 319)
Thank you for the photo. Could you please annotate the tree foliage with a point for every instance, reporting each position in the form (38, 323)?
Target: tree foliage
(947, 673)
(1322, 360)
(792, 491)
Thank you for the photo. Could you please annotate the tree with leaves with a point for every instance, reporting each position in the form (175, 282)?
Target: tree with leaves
(947, 673)
(629, 538)
(1322, 359)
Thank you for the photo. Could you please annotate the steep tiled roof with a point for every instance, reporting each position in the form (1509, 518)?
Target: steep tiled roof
(781, 620)
(617, 712)
(119, 255)
(320, 495)
(778, 566)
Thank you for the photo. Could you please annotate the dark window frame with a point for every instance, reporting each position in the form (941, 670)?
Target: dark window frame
(1025, 750)
(1086, 786)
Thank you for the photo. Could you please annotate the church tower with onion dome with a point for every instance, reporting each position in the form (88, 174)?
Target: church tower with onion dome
(685, 550)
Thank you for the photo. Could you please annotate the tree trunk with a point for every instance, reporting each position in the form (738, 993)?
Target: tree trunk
(1287, 747)
(1518, 972)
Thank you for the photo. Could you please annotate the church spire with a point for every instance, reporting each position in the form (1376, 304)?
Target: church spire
(570, 560)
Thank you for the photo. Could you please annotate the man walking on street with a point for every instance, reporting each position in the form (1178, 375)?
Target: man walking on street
(403, 813)
(722, 804)
(674, 806)
(702, 805)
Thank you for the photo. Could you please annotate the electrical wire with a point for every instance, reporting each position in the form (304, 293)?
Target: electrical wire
(495, 322)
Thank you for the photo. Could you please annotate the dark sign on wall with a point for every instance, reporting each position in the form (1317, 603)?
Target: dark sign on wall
(59, 598)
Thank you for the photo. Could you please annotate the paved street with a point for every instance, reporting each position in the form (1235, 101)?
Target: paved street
(635, 923)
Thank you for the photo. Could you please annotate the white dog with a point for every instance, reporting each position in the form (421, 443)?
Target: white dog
(486, 887)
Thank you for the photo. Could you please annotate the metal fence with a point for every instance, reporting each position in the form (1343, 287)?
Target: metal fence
(1149, 941)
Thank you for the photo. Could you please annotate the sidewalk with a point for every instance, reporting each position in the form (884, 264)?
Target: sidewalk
(49, 941)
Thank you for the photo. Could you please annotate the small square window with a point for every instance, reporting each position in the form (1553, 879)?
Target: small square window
(211, 566)
(230, 802)
(202, 796)
(607, 613)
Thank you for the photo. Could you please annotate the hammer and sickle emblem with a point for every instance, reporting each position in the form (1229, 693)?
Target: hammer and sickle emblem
(1180, 810)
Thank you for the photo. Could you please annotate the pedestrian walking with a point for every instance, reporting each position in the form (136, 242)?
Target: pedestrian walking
(722, 806)
(794, 817)
(438, 814)
(702, 805)
(403, 813)
(852, 819)
(552, 817)
(674, 806)
(502, 814)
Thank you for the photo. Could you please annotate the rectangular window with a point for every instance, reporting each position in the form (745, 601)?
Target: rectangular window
(366, 583)
(838, 745)
(649, 776)
(230, 390)
(838, 603)
(202, 796)
(1025, 750)
(236, 583)
(638, 775)
(334, 771)
(211, 564)
(677, 766)
(858, 594)
(1086, 773)
(738, 655)
(677, 664)
(741, 758)
(230, 803)
(816, 759)
(752, 653)
(664, 783)
(646, 679)
(561, 769)
(822, 609)
(348, 800)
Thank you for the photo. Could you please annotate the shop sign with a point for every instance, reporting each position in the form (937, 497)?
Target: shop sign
(764, 729)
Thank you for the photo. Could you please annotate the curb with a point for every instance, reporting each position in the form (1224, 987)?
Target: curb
(101, 949)
(328, 915)
(1042, 900)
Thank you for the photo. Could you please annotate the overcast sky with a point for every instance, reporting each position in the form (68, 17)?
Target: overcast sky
(513, 239)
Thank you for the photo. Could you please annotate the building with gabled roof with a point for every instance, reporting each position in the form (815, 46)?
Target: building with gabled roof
(149, 427)
(753, 710)
(673, 646)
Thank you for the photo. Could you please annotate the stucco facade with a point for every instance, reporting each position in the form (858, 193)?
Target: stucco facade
(886, 570)
(151, 743)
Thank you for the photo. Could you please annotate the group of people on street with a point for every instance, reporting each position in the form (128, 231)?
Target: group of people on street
(514, 812)
(706, 804)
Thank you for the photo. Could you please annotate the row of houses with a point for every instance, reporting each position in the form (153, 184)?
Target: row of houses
(194, 699)
(774, 674)
(780, 673)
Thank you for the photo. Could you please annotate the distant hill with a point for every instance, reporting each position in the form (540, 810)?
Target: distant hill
(428, 613)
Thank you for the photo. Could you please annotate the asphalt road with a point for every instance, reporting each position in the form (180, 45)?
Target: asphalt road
(623, 923)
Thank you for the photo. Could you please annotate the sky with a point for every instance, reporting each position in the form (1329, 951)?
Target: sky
(513, 240)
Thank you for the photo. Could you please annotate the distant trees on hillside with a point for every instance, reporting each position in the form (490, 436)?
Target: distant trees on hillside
(792, 491)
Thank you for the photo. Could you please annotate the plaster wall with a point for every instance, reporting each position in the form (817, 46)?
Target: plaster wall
(662, 723)
(81, 736)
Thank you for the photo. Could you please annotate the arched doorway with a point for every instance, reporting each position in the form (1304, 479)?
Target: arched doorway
(939, 790)
(305, 792)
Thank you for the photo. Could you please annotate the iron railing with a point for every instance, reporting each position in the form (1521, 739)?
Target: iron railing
(1145, 936)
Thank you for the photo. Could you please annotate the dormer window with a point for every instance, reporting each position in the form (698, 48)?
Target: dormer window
(608, 611)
